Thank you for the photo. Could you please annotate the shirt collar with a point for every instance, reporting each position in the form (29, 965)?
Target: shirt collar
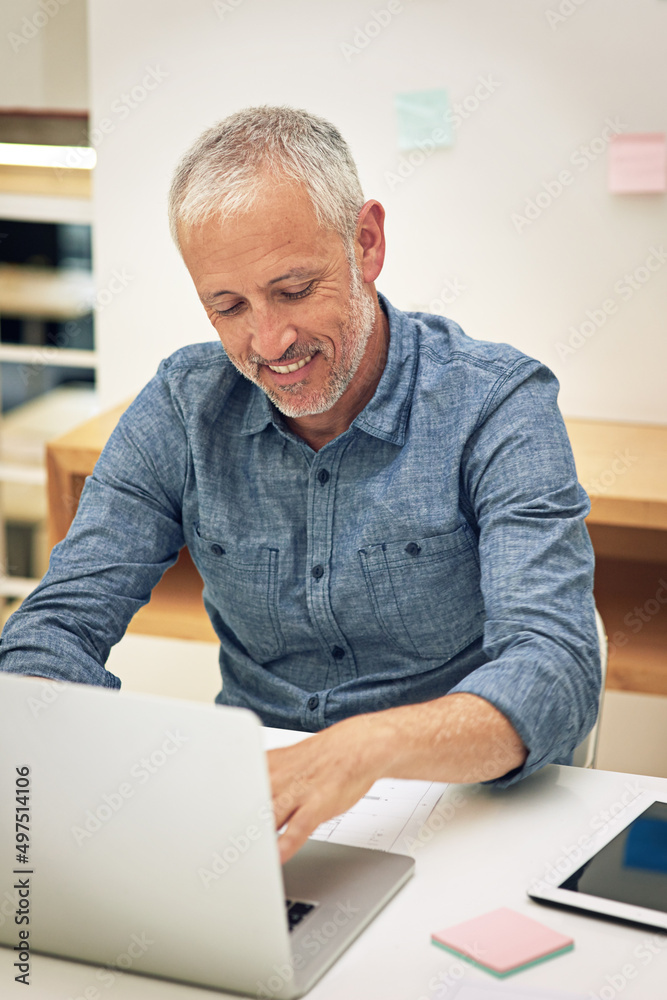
(385, 416)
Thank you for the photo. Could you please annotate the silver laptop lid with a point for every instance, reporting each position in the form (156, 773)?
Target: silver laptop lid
(151, 842)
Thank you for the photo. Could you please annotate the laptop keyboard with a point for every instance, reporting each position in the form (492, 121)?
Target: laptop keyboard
(296, 911)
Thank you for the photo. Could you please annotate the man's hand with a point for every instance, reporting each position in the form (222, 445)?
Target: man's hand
(322, 777)
(459, 737)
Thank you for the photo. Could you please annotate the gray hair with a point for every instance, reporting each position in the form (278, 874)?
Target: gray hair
(223, 173)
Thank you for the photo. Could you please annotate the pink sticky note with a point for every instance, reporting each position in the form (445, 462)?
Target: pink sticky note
(638, 163)
(503, 941)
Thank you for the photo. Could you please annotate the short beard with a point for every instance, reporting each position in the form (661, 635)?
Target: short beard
(354, 336)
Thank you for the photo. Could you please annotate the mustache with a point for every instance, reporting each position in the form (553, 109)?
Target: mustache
(295, 351)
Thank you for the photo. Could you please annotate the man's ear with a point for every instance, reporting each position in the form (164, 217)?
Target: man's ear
(370, 242)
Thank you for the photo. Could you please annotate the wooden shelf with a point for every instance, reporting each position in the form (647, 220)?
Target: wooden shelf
(45, 208)
(632, 598)
(623, 467)
(176, 608)
(46, 293)
(56, 182)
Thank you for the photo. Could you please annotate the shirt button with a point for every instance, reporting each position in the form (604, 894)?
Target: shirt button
(412, 549)
(338, 652)
(317, 571)
(217, 550)
(313, 702)
(323, 476)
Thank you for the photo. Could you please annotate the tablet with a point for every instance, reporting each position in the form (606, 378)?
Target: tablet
(621, 872)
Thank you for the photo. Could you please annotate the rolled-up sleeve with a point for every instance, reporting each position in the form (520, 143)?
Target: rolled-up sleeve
(536, 564)
(126, 533)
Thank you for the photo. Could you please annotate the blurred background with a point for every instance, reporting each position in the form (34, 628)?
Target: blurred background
(486, 129)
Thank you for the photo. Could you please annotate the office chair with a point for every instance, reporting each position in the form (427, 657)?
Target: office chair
(584, 755)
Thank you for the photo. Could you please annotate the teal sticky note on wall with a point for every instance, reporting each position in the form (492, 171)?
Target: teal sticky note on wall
(423, 119)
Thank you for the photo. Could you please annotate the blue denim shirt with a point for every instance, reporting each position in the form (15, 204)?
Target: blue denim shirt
(437, 545)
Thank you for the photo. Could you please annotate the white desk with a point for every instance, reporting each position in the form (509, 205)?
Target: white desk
(482, 857)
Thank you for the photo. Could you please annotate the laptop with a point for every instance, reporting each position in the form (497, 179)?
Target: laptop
(144, 840)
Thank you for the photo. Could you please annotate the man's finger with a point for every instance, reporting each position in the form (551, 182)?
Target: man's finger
(288, 796)
(283, 813)
(299, 828)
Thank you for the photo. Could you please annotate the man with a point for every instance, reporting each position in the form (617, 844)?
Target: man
(385, 512)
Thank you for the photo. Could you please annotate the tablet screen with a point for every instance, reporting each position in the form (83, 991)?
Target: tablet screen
(631, 868)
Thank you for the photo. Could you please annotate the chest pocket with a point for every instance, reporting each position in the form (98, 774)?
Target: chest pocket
(425, 593)
(241, 585)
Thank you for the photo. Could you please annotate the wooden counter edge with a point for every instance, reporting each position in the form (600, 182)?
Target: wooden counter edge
(172, 610)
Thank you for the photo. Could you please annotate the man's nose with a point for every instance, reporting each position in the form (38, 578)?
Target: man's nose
(272, 334)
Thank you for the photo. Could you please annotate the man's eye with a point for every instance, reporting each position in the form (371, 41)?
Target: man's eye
(299, 295)
(231, 311)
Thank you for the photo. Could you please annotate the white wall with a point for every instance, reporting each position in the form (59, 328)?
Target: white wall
(451, 220)
(41, 64)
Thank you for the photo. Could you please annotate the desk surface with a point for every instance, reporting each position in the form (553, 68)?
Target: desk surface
(487, 848)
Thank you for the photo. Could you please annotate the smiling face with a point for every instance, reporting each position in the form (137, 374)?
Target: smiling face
(291, 313)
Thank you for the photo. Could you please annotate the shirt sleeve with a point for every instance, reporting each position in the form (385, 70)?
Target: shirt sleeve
(536, 563)
(126, 533)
